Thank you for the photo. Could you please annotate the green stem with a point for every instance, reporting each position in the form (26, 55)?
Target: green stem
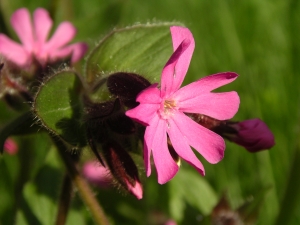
(290, 202)
(64, 201)
(82, 186)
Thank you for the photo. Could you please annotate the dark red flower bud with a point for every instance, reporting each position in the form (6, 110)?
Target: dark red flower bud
(252, 134)
(126, 86)
(123, 168)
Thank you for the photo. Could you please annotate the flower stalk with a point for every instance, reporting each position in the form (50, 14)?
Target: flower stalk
(64, 201)
(83, 188)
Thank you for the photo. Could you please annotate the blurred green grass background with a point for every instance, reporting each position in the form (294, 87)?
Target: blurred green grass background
(257, 39)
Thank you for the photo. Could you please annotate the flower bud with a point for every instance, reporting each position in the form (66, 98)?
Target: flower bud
(126, 86)
(123, 168)
(253, 134)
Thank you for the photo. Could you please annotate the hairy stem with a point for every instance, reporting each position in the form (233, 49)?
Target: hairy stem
(64, 201)
(84, 190)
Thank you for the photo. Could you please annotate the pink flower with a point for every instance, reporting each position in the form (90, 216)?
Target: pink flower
(10, 146)
(162, 111)
(101, 176)
(97, 174)
(253, 134)
(170, 222)
(34, 40)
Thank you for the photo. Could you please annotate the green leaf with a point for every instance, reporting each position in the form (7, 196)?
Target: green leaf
(190, 187)
(290, 202)
(17, 169)
(24, 124)
(58, 107)
(39, 201)
(141, 49)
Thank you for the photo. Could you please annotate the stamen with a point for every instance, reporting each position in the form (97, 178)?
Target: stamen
(168, 107)
(169, 104)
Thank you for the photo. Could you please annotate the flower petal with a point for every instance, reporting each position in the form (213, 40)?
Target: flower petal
(42, 25)
(143, 113)
(221, 106)
(171, 79)
(205, 84)
(78, 51)
(150, 95)
(209, 144)
(177, 66)
(178, 35)
(156, 140)
(181, 146)
(21, 22)
(56, 54)
(13, 51)
(150, 101)
(63, 34)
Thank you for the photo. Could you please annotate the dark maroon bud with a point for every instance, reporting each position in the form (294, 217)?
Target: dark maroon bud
(253, 134)
(111, 113)
(99, 112)
(123, 167)
(122, 124)
(93, 138)
(127, 86)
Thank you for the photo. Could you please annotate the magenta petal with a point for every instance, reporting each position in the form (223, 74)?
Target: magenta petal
(56, 54)
(205, 84)
(221, 106)
(181, 145)
(78, 51)
(171, 79)
(13, 51)
(97, 174)
(21, 22)
(150, 95)
(143, 113)
(147, 154)
(156, 140)
(178, 35)
(42, 25)
(63, 34)
(209, 144)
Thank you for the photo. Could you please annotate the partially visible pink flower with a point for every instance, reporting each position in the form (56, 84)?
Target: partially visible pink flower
(34, 38)
(170, 222)
(163, 110)
(252, 134)
(97, 174)
(101, 176)
(10, 146)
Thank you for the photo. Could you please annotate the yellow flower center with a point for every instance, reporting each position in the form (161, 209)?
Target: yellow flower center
(167, 108)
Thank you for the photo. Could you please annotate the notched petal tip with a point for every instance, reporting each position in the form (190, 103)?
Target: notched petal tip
(231, 75)
(78, 51)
